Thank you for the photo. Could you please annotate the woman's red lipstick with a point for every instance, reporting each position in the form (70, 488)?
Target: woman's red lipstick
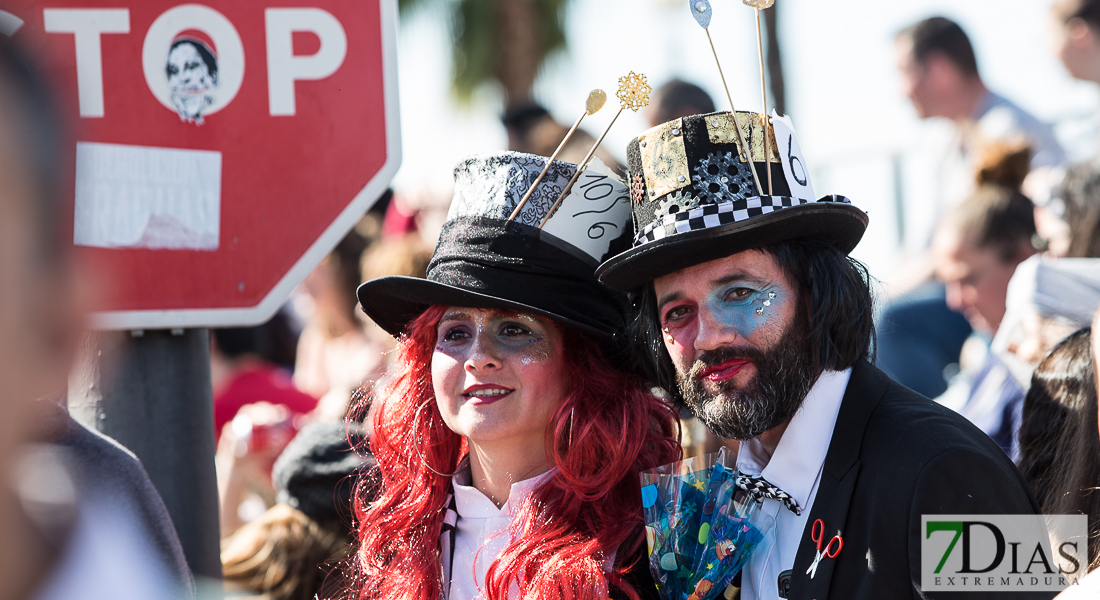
(490, 398)
(725, 370)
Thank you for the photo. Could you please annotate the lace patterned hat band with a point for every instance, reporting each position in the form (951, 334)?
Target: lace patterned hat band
(485, 260)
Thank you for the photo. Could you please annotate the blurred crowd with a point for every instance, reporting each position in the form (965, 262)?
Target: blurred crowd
(992, 319)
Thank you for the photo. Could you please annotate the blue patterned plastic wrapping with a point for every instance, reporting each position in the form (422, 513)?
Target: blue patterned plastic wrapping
(700, 527)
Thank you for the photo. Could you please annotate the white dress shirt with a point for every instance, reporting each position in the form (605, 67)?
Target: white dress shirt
(481, 532)
(795, 467)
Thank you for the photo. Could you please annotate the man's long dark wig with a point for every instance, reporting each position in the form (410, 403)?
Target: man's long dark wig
(835, 288)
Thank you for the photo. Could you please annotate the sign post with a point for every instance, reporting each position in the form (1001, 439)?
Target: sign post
(222, 149)
(151, 393)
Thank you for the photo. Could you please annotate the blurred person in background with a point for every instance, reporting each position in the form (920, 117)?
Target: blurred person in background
(1059, 437)
(245, 367)
(1070, 221)
(940, 76)
(533, 130)
(335, 354)
(1047, 300)
(71, 527)
(676, 99)
(340, 350)
(919, 337)
(1077, 37)
(257, 411)
(976, 249)
(405, 254)
(1075, 33)
(294, 550)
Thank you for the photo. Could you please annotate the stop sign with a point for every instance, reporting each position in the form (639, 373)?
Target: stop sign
(221, 149)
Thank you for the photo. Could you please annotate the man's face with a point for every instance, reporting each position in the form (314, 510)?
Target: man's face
(736, 334)
(976, 279)
(927, 84)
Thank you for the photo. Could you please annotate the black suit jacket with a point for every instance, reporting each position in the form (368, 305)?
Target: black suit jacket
(894, 456)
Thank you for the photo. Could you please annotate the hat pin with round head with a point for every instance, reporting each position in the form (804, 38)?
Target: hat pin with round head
(693, 198)
(701, 12)
(633, 93)
(596, 99)
(700, 9)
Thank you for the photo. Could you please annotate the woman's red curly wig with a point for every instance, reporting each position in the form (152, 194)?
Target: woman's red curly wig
(587, 510)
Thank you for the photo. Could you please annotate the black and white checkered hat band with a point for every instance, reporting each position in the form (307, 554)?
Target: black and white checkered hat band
(716, 215)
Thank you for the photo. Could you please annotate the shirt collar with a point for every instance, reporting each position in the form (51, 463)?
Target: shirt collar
(800, 454)
(472, 504)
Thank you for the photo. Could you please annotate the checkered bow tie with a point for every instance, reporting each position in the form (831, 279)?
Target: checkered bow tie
(758, 487)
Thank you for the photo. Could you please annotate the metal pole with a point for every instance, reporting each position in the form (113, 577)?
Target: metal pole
(150, 391)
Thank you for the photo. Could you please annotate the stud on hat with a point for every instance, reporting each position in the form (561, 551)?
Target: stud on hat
(694, 199)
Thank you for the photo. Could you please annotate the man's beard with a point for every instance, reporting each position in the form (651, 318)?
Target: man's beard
(784, 375)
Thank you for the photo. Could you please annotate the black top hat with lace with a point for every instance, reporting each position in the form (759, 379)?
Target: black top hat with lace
(490, 256)
(695, 198)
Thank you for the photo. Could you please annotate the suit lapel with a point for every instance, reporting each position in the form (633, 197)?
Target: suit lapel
(831, 506)
(865, 388)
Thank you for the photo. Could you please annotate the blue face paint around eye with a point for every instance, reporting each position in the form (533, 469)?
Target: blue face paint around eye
(743, 308)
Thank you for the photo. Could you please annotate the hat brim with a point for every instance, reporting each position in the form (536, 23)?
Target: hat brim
(395, 301)
(838, 223)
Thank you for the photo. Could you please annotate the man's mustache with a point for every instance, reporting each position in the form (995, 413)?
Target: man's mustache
(715, 357)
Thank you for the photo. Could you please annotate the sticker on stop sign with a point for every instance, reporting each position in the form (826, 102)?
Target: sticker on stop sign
(221, 149)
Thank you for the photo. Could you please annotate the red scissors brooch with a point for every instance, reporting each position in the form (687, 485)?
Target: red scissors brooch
(817, 533)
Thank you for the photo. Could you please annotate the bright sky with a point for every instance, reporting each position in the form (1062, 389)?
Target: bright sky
(842, 86)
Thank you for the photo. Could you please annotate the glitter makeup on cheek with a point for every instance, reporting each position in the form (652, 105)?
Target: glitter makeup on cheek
(536, 350)
(526, 352)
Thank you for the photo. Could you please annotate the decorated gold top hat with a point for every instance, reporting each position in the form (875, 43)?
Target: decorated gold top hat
(695, 198)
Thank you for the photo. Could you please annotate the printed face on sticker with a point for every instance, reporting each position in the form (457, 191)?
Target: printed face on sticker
(192, 73)
(498, 376)
(736, 333)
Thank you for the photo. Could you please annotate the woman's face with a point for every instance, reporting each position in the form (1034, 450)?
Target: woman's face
(498, 376)
(1074, 43)
(1041, 334)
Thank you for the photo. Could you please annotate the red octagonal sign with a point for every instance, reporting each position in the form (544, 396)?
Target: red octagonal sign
(222, 148)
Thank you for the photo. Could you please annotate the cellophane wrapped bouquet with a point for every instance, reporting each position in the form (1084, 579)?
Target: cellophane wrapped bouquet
(701, 528)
